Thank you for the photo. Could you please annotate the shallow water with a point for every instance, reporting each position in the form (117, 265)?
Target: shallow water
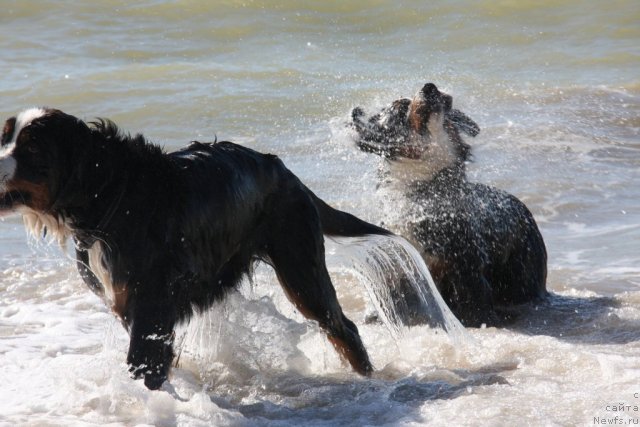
(554, 87)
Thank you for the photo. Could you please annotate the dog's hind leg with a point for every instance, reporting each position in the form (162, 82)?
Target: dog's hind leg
(295, 248)
(522, 277)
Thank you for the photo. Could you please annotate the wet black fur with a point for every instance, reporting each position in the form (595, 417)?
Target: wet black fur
(181, 229)
(482, 245)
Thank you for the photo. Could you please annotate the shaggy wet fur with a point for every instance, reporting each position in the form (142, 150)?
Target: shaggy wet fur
(482, 245)
(160, 236)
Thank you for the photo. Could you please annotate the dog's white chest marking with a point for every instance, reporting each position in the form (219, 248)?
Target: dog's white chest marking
(438, 154)
(99, 269)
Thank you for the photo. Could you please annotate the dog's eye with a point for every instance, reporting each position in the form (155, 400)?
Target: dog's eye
(32, 147)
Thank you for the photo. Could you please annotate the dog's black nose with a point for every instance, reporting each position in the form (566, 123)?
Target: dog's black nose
(430, 91)
(434, 97)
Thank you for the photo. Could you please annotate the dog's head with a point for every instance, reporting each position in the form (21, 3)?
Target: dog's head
(432, 107)
(427, 110)
(435, 127)
(37, 153)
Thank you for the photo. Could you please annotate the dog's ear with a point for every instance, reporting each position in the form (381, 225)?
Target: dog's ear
(7, 131)
(463, 123)
(357, 112)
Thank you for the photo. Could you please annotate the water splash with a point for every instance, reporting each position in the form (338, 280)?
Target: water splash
(399, 284)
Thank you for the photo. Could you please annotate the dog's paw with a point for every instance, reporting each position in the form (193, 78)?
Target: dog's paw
(154, 382)
(153, 377)
(137, 371)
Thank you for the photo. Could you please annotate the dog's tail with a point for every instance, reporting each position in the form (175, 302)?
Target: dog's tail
(339, 223)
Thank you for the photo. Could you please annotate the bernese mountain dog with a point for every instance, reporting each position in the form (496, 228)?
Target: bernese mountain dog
(160, 236)
(482, 245)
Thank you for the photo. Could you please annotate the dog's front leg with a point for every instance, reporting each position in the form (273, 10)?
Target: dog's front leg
(151, 342)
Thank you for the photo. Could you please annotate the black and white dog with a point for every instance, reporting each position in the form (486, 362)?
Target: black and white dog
(159, 236)
(482, 245)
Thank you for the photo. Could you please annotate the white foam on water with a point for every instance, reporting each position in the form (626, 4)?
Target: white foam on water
(561, 133)
(383, 263)
(253, 360)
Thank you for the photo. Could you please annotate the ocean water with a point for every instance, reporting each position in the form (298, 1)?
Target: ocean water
(555, 87)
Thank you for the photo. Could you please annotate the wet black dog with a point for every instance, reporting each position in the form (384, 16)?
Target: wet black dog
(159, 236)
(482, 245)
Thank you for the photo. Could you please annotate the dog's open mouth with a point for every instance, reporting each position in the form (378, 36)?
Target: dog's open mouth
(411, 151)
